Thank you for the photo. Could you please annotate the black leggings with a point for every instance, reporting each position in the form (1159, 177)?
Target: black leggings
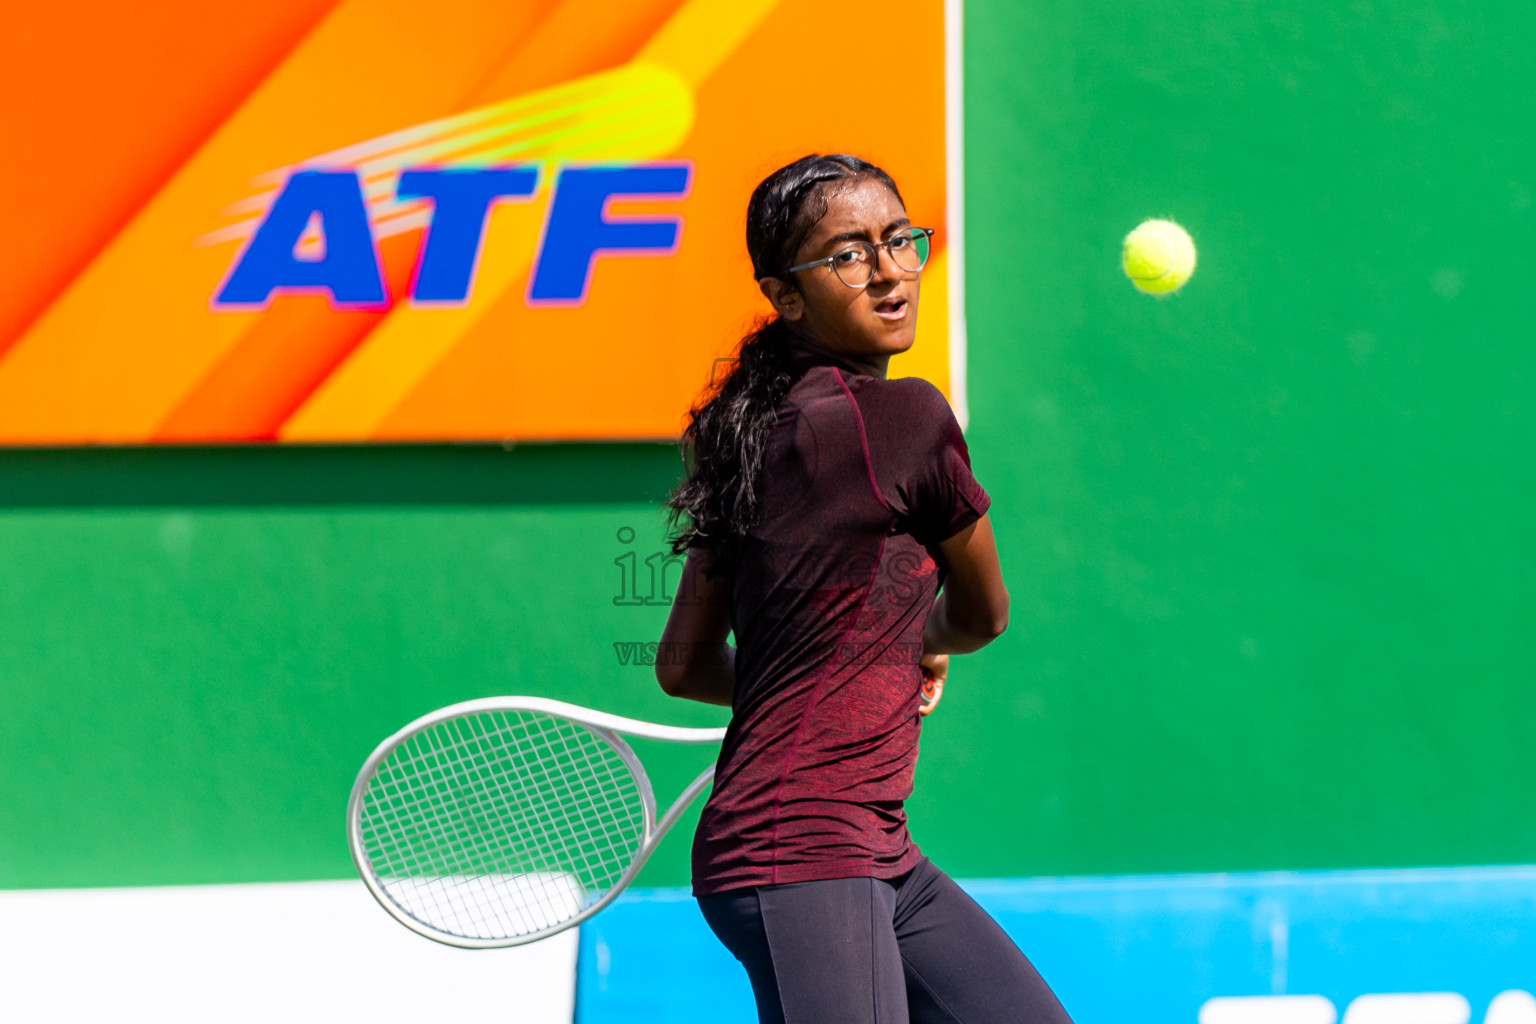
(865, 951)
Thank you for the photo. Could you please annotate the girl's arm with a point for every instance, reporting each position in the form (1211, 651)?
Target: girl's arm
(693, 661)
(972, 609)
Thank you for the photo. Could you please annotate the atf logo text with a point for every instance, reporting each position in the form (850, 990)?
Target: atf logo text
(577, 230)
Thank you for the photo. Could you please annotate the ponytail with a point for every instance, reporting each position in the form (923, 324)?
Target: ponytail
(727, 435)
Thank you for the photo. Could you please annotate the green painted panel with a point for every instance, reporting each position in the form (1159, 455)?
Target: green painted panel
(1269, 539)
(188, 692)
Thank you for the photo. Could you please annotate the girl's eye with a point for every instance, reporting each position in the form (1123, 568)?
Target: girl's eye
(901, 242)
(848, 257)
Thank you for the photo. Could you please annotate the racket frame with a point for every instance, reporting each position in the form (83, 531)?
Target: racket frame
(609, 728)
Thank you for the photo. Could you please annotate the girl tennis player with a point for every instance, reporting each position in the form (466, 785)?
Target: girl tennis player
(824, 507)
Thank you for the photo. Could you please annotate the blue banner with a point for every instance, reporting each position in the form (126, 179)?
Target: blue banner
(1420, 946)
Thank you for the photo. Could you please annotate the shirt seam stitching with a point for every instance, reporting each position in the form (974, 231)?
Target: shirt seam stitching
(869, 463)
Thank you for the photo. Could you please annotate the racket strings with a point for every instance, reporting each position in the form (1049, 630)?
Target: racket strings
(500, 824)
(554, 904)
(459, 908)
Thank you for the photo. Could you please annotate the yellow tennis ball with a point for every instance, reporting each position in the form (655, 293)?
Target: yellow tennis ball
(1159, 256)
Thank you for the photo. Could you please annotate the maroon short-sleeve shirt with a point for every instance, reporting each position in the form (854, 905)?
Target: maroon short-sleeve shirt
(863, 477)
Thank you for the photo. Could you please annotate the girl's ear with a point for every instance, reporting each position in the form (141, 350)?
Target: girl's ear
(787, 301)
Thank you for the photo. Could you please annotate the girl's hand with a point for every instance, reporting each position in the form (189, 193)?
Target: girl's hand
(935, 668)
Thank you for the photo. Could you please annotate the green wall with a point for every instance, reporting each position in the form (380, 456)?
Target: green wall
(1268, 540)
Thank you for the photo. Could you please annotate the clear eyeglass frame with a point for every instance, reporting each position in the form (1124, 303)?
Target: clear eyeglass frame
(918, 249)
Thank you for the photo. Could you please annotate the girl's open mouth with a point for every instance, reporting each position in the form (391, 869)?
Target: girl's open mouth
(891, 309)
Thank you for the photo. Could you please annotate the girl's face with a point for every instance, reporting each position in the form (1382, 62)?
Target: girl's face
(877, 320)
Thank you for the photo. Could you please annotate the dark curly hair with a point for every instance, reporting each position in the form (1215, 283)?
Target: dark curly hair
(726, 438)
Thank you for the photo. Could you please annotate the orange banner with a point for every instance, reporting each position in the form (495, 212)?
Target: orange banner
(371, 221)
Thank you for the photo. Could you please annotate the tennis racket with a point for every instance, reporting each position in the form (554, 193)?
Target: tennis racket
(501, 821)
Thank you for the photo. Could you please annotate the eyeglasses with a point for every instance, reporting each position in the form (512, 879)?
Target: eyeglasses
(854, 264)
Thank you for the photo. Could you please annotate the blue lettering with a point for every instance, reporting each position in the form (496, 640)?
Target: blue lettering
(349, 270)
(577, 229)
(461, 198)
